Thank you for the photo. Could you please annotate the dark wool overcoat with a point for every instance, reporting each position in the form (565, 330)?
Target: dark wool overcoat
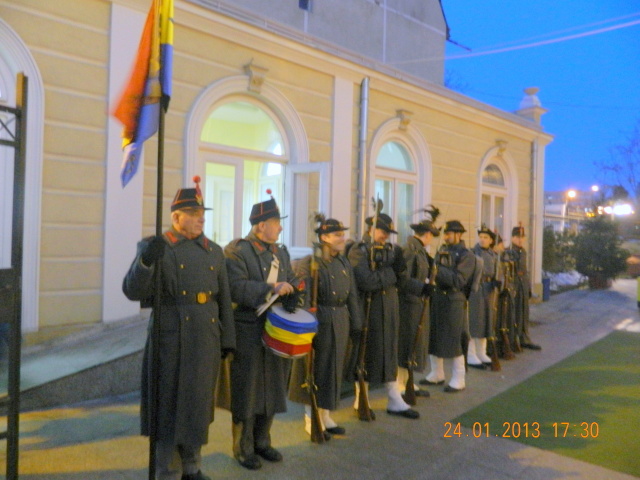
(339, 313)
(419, 264)
(258, 377)
(448, 317)
(482, 307)
(381, 283)
(191, 337)
(522, 287)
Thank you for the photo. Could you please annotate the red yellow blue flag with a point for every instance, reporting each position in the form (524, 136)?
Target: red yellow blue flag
(149, 87)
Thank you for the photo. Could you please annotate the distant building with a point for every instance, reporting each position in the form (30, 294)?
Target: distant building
(564, 213)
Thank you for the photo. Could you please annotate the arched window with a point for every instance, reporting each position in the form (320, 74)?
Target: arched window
(245, 150)
(494, 194)
(395, 184)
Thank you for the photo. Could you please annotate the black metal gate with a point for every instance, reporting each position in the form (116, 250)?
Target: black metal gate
(13, 123)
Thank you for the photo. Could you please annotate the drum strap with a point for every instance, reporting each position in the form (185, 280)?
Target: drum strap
(273, 273)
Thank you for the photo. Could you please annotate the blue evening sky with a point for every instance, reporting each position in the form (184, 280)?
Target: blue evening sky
(590, 85)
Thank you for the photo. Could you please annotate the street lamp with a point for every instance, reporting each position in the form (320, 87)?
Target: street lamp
(571, 194)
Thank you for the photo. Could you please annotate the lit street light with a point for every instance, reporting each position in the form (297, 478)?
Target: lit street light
(571, 194)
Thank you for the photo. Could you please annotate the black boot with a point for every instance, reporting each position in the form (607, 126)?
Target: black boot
(262, 439)
(243, 445)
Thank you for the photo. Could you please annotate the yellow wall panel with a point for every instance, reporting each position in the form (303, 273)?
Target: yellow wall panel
(71, 309)
(95, 13)
(70, 275)
(80, 110)
(63, 38)
(66, 242)
(75, 176)
(66, 208)
(72, 74)
(67, 140)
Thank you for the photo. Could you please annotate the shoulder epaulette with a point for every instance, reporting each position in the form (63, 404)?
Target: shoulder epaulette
(170, 237)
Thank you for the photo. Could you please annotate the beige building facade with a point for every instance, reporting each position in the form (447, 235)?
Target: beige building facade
(258, 102)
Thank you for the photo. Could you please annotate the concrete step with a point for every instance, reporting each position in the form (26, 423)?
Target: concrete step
(92, 363)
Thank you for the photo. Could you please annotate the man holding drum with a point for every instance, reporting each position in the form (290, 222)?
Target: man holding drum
(257, 268)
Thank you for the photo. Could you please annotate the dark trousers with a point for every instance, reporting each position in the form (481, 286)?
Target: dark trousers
(251, 434)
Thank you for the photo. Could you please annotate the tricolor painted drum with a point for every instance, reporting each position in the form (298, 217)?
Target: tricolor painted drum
(287, 334)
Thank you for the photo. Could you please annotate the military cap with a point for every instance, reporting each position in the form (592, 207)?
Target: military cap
(189, 197)
(517, 232)
(425, 226)
(384, 223)
(454, 226)
(330, 225)
(487, 230)
(263, 211)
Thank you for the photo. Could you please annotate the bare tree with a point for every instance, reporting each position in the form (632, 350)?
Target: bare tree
(624, 164)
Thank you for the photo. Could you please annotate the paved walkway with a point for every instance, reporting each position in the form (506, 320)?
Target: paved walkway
(98, 440)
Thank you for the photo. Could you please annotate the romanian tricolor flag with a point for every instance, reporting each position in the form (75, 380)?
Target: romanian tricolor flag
(149, 87)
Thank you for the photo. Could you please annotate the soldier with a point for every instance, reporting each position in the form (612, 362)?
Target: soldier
(196, 330)
(379, 275)
(419, 267)
(504, 328)
(449, 328)
(258, 267)
(523, 288)
(482, 306)
(339, 316)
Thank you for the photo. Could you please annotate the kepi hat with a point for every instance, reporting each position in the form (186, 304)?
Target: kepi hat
(189, 197)
(263, 211)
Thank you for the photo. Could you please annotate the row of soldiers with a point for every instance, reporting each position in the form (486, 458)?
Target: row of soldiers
(211, 323)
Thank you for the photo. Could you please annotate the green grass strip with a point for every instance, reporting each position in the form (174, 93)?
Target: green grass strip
(592, 397)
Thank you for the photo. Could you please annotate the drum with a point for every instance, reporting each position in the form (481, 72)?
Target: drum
(287, 334)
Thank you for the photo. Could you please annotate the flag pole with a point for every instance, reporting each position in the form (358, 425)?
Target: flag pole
(155, 330)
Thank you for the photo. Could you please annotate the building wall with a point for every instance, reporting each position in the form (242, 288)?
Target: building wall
(68, 40)
(81, 230)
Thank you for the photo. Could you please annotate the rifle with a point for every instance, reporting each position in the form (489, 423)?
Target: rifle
(503, 327)
(495, 362)
(410, 390)
(364, 411)
(317, 431)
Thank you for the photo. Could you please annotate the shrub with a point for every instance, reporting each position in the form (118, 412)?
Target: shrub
(597, 249)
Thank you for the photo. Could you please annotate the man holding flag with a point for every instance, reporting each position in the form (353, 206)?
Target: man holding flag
(141, 109)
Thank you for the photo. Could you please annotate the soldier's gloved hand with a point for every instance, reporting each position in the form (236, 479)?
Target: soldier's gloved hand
(153, 251)
(228, 352)
(427, 290)
(399, 264)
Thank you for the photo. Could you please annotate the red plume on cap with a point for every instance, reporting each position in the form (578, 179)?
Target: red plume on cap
(269, 191)
(197, 180)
